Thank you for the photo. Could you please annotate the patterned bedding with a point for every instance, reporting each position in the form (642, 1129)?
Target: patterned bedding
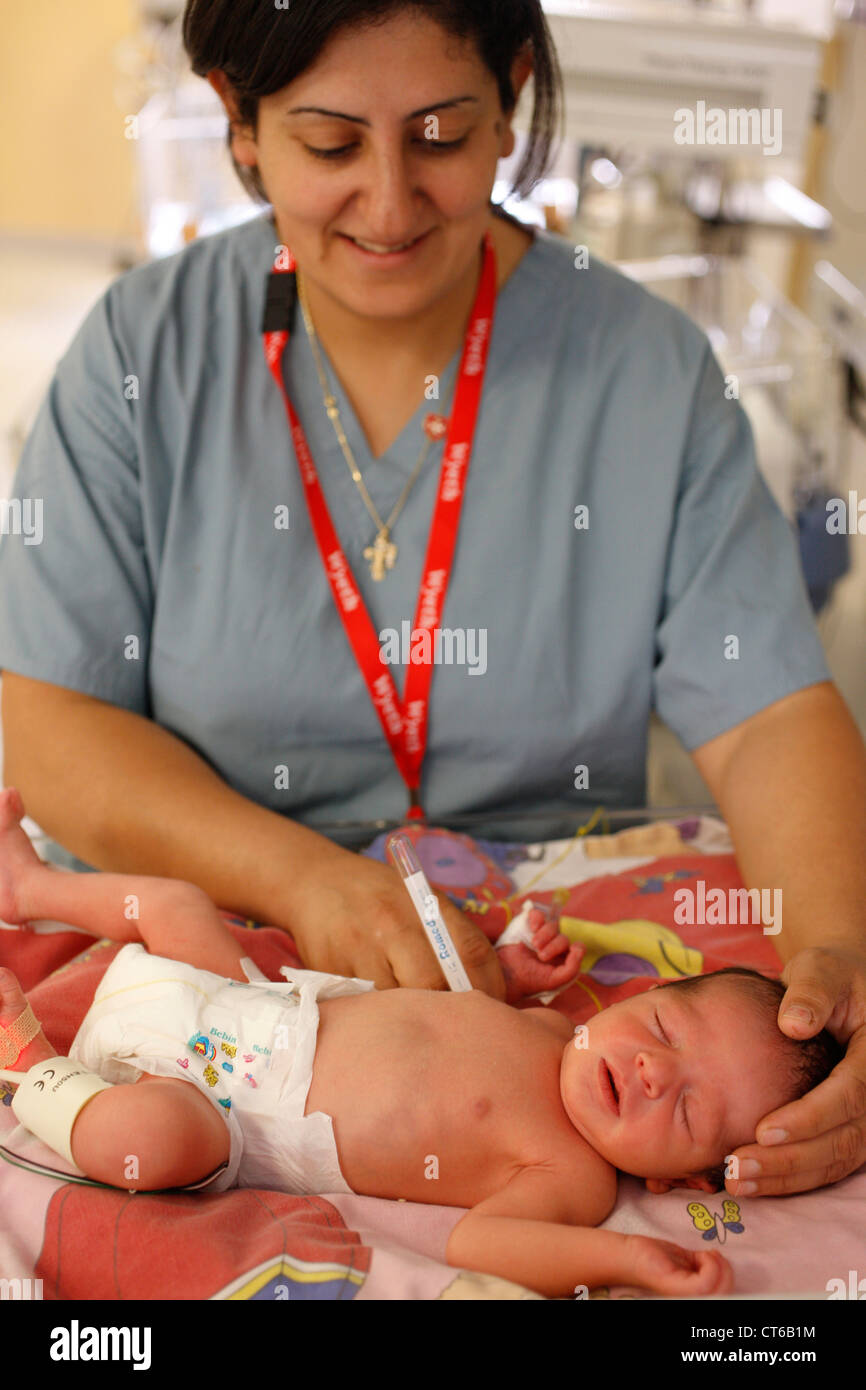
(613, 893)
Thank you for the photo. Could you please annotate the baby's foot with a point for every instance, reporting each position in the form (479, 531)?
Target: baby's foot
(17, 858)
(12, 1005)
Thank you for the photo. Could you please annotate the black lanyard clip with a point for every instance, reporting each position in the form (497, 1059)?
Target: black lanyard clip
(281, 302)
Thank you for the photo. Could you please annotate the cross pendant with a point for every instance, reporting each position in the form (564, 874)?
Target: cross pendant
(382, 555)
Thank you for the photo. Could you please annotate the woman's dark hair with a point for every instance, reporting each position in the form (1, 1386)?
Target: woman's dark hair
(261, 49)
(803, 1062)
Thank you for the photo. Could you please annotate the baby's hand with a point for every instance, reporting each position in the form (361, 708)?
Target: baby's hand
(554, 960)
(670, 1269)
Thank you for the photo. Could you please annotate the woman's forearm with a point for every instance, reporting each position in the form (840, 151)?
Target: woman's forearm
(794, 798)
(126, 796)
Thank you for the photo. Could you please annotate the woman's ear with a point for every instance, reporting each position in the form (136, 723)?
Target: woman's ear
(243, 145)
(521, 71)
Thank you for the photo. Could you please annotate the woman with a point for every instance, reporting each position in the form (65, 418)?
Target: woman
(182, 692)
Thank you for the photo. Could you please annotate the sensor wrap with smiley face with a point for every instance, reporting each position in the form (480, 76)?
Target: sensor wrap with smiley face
(51, 1096)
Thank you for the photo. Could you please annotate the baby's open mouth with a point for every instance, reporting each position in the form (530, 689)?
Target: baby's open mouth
(608, 1087)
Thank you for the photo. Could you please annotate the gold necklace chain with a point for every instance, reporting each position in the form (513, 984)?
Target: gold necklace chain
(382, 554)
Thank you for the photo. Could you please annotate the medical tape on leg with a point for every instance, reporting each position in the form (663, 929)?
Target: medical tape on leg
(16, 1036)
(51, 1096)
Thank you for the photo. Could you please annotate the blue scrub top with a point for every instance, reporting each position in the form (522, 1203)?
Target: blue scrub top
(162, 457)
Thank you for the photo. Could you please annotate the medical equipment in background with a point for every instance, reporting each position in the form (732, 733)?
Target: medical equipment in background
(678, 216)
(789, 379)
(187, 186)
(629, 65)
(840, 307)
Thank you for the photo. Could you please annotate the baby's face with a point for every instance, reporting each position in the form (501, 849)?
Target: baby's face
(689, 1082)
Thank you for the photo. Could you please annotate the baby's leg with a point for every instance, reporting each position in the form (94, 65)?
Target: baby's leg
(164, 1134)
(145, 1137)
(172, 918)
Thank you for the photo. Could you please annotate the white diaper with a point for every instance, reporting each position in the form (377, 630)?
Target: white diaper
(248, 1047)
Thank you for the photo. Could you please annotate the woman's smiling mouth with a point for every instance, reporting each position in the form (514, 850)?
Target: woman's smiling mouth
(375, 251)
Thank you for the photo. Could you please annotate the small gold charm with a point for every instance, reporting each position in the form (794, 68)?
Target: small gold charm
(382, 555)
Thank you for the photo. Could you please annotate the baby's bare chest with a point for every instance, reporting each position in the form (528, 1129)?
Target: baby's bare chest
(437, 1099)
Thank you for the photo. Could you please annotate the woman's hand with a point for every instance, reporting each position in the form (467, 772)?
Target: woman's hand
(671, 1269)
(821, 1137)
(352, 916)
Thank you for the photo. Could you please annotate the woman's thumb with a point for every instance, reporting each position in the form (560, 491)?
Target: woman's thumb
(806, 1005)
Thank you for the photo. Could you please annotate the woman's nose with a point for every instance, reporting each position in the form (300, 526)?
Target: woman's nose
(387, 193)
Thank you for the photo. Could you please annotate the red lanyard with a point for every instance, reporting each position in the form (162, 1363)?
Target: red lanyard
(405, 724)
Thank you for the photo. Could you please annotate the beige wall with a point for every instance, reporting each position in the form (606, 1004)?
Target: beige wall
(65, 165)
(842, 187)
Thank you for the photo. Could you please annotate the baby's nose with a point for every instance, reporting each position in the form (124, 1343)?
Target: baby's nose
(656, 1071)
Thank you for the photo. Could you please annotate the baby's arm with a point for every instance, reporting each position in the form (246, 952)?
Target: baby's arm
(526, 1233)
(163, 1130)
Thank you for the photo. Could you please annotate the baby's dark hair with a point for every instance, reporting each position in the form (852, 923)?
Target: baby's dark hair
(803, 1062)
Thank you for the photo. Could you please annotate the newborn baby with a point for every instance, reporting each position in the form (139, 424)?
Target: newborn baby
(323, 1084)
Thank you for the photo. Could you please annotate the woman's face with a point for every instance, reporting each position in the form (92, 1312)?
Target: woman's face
(408, 150)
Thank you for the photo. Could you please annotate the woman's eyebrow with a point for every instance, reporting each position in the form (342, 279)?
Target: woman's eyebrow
(360, 120)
